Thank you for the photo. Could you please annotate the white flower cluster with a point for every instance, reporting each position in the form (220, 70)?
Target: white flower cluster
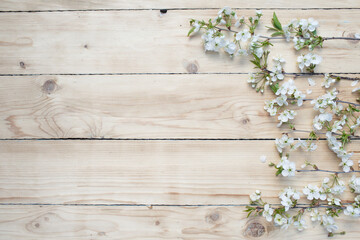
(304, 27)
(327, 100)
(337, 147)
(277, 71)
(325, 191)
(213, 40)
(309, 61)
(354, 209)
(354, 184)
(289, 198)
(287, 89)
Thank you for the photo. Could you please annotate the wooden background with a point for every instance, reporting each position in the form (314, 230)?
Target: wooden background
(107, 132)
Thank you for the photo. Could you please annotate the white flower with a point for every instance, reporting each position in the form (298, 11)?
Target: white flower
(351, 211)
(354, 184)
(230, 48)
(283, 142)
(285, 116)
(329, 223)
(288, 169)
(338, 189)
(357, 35)
(212, 43)
(354, 83)
(263, 158)
(241, 52)
(307, 60)
(346, 164)
(300, 224)
(312, 24)
(255, 196)
(289, 197)
(243, 35)
(320, 120)
(312, 192)
(279, 220)
(315, 215)
(328, 81)
(281, 100)
(225, 10)
(270, 107)
(197, 26)
(268, 212)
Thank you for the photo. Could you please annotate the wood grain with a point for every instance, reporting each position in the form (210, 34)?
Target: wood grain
(58, 222)
(156, 106)
(150, 172)
(23, 5)
(145, 42)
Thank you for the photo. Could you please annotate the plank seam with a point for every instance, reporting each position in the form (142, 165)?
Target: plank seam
(145, 205)
(150, 139)
(158, 9)
(149, 73)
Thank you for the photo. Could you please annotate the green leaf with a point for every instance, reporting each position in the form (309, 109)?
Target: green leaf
(275, 22)
(191, 30)
(274, 87)
(277, 34)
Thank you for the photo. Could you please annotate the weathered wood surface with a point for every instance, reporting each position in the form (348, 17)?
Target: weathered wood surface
(149, 172)
(145, 42)
(177, 106)
(157, 222)
(23, 5)
(84, 69)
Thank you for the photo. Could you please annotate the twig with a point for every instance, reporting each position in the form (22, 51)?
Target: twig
(327, 171)
(261, 36)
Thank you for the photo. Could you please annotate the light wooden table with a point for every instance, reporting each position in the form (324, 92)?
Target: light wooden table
(107, 134)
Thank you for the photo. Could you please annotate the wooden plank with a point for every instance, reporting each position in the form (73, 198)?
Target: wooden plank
(145, 42)
(156, 106)
(22, 5)
(150, 172)
(58, 222)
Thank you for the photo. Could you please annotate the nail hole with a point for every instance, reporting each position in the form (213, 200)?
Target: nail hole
(163, 11)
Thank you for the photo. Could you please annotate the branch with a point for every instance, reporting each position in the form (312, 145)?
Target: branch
(266, 37)
(327, 171)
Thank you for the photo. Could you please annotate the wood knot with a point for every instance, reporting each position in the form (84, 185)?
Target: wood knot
(213, 217)
(86, 46)
(22, 65)
(256, 228)
(49, 86)
(157, 223)
(245, 120)
(101, 233)
(192, 67)
(37, 225)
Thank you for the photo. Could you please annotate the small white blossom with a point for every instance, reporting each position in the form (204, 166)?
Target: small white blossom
(268, 212)
(328, 81)
(279, 220)
(329, 223)
(243, 35)
(300, 224)
(230, 48)
(315, 215)
(285, 116)
(354, 184)
(255, 196)
(283, 142)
